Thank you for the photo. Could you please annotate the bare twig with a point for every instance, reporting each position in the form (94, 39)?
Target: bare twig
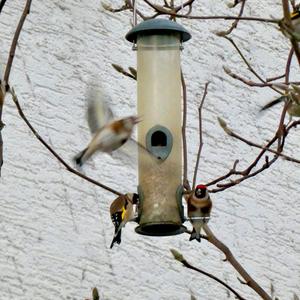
(246, 81)
(236, 2)
(66, 165)
(15, 41)
(163, 11)
(275, 78)
(238, 267)
(288, 65)
(127, 6)
(252, 144)
(184, 114)
(247, 173)
(200, 134)
(257, 84)
(235, 23)
(179, 257)
(4, 83)
(248, 64)
(232, 171)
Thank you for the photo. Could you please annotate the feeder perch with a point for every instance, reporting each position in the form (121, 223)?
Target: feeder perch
(158, 44)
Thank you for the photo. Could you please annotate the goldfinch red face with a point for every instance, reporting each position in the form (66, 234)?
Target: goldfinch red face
(200, 191)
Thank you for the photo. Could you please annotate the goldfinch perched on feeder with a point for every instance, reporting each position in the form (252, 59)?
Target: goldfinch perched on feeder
(121, 212)
(199, 206)
(108, 134)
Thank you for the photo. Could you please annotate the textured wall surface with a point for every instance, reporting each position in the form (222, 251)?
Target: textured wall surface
(55, 229)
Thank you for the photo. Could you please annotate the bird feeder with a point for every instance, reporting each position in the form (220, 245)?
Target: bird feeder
(158, 43)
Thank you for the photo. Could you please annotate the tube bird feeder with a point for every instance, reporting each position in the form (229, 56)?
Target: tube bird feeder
(158, 43)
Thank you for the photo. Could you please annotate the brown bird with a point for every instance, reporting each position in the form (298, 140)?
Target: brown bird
(121, 212)
(199, 207)
(108, 134)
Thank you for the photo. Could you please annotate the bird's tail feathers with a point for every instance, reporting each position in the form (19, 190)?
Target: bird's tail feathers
(79, 158)
(274, 102)
(195, 236)
(116, 239)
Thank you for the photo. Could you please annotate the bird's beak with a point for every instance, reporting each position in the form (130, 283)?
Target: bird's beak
(136, 120)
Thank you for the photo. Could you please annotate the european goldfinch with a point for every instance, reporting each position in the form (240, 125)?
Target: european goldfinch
(108, 134)
(199, 207)
(121, 212)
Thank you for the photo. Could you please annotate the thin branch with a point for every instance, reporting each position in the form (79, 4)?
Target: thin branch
(4, 86)
(179, 257)
(248, 64)
(275, 78)
(66, 165)
(127, 6)
(257, 84)
(163, 11)
(235, 23)
(232, 171)
(247, 173)
(183, 129)
(236, 2)
(288, 65)
(188, 3)
(238, 267)
(200, 134)
(246, 81)
(252, 144)
(15, 41)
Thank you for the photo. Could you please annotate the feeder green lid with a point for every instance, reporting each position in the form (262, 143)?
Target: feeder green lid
(157, 26)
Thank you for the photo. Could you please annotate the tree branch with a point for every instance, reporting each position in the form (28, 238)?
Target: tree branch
(238, 267)
(248, 64)
(49, 148)
(15, 41)
(256, 84)
(235, 23)
(179, 257)
(127, 6)
(163, 11)
(200, 135)
(279, 136)
(288, 66)
(4, 83)
(252, 144)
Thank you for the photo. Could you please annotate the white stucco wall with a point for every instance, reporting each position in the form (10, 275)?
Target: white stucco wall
(55, 229)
